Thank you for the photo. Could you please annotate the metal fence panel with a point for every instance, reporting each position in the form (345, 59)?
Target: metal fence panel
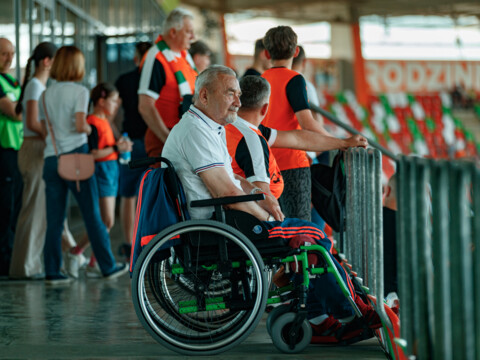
(363, 243)
(439, 272)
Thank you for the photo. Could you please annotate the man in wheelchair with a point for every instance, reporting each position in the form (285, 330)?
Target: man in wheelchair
(197, 148)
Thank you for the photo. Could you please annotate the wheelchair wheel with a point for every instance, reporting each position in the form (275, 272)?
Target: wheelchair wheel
(280, 337)
(204, 307)
(274, 314)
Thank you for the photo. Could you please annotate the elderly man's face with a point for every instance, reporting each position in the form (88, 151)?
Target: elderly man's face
(185, 36)
(224, 100)
(7, 51)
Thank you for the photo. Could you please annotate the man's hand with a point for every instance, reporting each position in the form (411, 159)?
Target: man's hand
(270, 204)
(149, 113)
(355, 141)
(219, 184)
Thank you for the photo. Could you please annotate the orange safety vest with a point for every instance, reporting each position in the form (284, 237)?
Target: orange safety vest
(234, 136)
(280, 116)
(105, 136)
(168, 102)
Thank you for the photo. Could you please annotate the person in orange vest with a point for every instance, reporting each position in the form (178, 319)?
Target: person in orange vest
(167, 79)
(289, 110)
(249, 142)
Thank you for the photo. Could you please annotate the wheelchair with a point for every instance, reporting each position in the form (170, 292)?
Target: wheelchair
(200, 287)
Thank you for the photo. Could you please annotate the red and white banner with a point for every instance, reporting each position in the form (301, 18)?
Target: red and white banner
(422, 76)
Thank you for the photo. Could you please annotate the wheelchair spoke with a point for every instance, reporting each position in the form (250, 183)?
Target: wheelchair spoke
(195, 302)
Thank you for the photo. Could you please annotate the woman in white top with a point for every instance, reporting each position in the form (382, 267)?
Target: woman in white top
(27, 250)
(66, 105)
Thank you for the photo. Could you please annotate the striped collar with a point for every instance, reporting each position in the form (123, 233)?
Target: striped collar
(195, 112)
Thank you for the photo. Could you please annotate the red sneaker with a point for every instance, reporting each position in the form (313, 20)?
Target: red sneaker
(354, 331)
(326, 331)
(369, 314)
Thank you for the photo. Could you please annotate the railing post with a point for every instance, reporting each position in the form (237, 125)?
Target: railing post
(349, 206)
(363, 210)
(442, 330)
(420, 251)
(476, 252)
(404, 239)
(378, 233)
(369, 225)
(461, 265)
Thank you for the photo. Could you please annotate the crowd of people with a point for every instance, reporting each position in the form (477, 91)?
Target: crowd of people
(223, 136)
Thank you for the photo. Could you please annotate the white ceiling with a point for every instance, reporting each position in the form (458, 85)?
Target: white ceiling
(340, 10)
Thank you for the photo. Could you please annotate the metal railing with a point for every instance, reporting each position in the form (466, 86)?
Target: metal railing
(363, 243)
(438, 246)
(353, 131)
(66, 22)
(438, 239)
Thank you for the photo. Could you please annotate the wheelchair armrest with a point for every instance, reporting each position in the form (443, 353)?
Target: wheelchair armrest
(227, 200)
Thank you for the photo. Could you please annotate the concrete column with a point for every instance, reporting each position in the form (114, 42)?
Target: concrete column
(341, 42)
(343, 54)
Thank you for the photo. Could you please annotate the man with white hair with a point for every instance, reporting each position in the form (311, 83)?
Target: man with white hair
(167, 79)
(197, 149)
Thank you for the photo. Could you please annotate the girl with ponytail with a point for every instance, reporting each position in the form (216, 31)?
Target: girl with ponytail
(30, 232)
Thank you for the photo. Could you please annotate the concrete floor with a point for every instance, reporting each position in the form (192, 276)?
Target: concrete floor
(95, 319)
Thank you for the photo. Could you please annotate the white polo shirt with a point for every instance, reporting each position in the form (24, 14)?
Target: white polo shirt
(196, 144)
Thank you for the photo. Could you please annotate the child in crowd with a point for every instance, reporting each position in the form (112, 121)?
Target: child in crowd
(104, 147)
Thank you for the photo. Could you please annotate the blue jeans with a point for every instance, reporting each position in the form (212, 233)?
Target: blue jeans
(56, 190)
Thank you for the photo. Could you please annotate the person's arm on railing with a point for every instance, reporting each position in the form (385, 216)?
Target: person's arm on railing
(307, 122)
(313, 141)
(351, 130)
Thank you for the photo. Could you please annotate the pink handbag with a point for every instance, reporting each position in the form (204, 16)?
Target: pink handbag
(75, 166)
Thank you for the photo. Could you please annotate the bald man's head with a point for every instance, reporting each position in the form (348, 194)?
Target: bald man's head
(7, 51)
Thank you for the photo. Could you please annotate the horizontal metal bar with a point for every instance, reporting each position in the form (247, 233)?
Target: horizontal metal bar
(352, 130)
(82, 15)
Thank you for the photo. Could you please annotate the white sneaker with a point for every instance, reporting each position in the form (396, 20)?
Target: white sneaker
(392, 300)
(93, 272)
(73, 263)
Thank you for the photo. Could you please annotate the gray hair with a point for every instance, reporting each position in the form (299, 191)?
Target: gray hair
(208, 77)
(255, 92)
(175, 19)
